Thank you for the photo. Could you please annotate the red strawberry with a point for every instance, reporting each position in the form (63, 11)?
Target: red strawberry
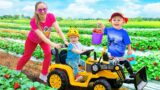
(134, 49)
(100, 31)
(16, 85)
(97, 30)
(137, 44)
(130, 59)
(7, 76)
(32, 88)
(157, 78)
(94, 30)
(155, 63)
(142, 49)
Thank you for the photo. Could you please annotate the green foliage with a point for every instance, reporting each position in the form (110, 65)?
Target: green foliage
(24, 82)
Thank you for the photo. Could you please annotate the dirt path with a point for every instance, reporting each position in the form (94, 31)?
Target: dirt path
(31, 69)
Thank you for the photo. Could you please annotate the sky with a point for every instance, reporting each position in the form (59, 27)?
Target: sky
(85, 8)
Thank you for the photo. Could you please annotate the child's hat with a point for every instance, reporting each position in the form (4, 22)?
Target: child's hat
(118, 14)
(73, 32)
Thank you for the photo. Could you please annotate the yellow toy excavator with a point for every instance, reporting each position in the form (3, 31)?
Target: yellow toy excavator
(100, 72)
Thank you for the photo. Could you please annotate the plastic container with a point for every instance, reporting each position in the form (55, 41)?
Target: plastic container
(131, 58)
(97, 38)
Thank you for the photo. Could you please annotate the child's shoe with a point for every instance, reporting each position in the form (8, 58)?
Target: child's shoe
(81, 68)
(43, 77)
(132, 75)
(79, 78)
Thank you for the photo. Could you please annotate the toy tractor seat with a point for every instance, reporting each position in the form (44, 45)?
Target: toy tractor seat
(63, 56)
(60, 55)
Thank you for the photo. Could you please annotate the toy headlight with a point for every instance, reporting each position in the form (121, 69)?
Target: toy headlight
(95, 68)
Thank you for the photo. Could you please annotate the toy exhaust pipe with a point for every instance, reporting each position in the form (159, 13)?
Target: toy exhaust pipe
(140, 79)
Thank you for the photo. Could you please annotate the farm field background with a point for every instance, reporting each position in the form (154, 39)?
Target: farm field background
(145, 37)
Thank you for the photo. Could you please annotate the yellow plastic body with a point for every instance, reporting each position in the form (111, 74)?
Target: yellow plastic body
(108, 74)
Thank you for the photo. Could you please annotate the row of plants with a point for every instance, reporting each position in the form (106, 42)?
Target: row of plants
(11, 80)
(18, 48)
(15, 26)
(137, 43)
(92, 23)
(140, 32)
(152, 61)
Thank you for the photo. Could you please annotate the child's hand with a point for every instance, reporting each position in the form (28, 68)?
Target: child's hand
(129, 52)
(100, 24)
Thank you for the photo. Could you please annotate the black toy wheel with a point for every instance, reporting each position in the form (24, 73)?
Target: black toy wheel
(116, 84)
(57, 79)
(95, 68)
(101, 84)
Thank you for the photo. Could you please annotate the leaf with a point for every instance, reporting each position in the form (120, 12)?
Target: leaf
(10, 89)
(36, 84)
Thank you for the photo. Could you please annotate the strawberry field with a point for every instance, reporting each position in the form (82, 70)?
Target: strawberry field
(145, 37)
(11, 80)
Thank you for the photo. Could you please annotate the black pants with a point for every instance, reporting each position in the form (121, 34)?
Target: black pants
(127, 66)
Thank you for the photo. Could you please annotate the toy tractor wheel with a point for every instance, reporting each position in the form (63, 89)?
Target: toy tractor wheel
(116, 84)
(57, 79)
(101, 84)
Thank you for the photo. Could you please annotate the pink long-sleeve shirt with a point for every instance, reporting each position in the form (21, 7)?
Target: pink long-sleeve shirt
(50, 19)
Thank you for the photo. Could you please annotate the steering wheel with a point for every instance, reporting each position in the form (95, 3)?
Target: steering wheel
(87, 52)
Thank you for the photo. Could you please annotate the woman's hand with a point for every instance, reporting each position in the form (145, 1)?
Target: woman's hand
(56, 45)
(66, 42)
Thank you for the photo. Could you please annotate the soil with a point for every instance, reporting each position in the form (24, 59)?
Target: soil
(32, 69)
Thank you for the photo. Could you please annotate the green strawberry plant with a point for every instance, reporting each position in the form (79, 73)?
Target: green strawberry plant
(11, 80)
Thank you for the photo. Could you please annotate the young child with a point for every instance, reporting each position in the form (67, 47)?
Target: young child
(75, 48)
(118, 39)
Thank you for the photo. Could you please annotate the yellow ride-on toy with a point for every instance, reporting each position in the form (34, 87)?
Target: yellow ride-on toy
(101, 73)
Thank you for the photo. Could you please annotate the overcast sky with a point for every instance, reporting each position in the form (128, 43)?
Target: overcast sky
(85, 8)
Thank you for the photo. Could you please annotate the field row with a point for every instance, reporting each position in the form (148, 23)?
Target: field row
(92, 23)
(142, 44)
(131, 32)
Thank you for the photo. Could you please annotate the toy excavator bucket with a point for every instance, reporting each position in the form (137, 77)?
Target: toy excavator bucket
(140, 79)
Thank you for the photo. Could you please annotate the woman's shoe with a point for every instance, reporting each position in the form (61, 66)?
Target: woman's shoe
(43, 77)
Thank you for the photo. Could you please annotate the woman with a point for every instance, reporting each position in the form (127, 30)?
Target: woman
(41, 25)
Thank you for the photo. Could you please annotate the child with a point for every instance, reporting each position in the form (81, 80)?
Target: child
(118, 39)
(74, 50)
